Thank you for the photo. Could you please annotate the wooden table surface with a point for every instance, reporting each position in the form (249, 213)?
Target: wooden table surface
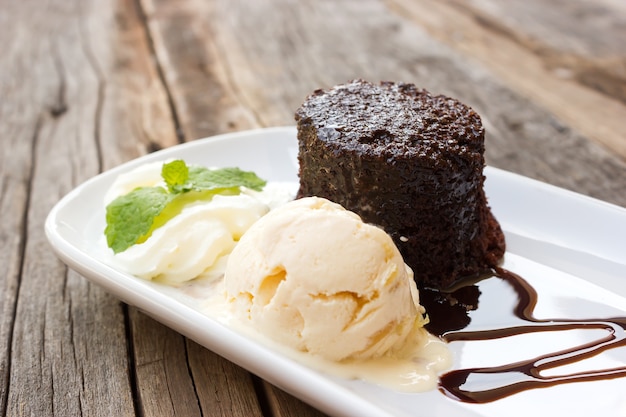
(86, 85)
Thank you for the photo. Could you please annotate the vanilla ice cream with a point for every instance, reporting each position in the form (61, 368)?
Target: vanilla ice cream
(313, 276)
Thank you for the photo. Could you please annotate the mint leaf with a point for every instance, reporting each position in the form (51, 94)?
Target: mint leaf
(175, 174)
(130, 217)
(133, 217)
(201, 178)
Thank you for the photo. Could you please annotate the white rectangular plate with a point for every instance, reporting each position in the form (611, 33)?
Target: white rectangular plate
(571, 246)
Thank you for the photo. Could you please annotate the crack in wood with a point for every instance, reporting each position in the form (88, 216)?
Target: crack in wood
(153, 146)
(145, 19)
(22, 256)
(262, 396)
(52, 387)
(191, 377)
(102, 85)
(59, 107)
(132, 363)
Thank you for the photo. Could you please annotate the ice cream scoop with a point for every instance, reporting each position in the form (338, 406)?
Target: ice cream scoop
(313, 276)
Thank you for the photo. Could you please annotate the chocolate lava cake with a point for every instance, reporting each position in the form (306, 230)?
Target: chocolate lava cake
(410, 162)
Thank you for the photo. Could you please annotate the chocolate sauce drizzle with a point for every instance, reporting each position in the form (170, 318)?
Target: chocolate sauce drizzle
(527, 374)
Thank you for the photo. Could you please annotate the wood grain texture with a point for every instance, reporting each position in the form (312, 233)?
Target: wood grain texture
(164, 385)
(282, 404)
(224, 389)
(58, 337)
(16, 142)
(195, 72)
(66, 352)
(555, 53)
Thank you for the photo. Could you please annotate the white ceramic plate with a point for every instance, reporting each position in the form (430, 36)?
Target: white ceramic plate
(570, 247)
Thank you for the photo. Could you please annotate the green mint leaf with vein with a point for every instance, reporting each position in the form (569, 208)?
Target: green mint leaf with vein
(175, 174)
(130, 217)
(133, 217)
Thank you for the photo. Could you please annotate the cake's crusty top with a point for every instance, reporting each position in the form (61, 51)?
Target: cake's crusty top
(395, 120)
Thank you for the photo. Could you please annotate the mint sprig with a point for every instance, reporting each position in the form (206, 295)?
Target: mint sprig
(175, 174)
(133, 217)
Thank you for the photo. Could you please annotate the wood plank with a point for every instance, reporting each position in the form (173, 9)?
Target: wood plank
(282, 404)
(579, 77)
(71, 83)
(17, 130)
(201, 90)
(136, 116)
(164, 385)
(224, 389)
(60, 319)
(176, 376)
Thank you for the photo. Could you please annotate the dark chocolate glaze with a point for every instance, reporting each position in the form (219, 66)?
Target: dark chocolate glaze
(524, 375)
(448, 311)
